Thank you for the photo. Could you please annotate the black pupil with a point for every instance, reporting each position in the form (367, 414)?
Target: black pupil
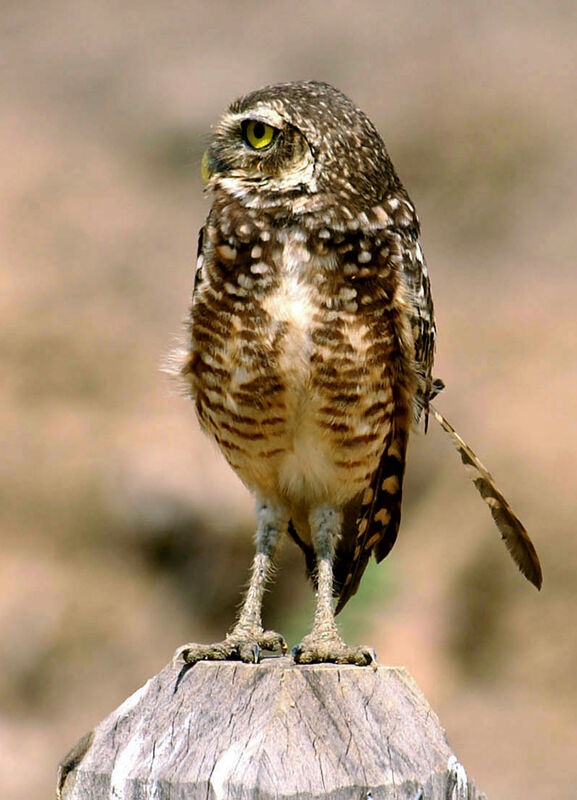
(258, 130)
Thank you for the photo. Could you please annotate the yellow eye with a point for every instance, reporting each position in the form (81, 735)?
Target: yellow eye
(258, 134)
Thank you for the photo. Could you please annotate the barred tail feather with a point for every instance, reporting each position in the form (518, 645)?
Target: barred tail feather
(510, 526)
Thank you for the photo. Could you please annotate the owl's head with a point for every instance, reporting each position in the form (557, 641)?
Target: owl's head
(303, 147)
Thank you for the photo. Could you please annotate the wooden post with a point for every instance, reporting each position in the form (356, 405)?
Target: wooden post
(234, 731)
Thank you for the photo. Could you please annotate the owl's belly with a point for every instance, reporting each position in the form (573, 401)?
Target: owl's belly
(293, 400)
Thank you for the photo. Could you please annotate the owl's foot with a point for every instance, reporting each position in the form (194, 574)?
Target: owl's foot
(316, 649)
(238, 646)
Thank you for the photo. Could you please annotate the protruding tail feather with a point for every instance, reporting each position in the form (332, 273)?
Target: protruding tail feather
(378, 521)
(512, 530)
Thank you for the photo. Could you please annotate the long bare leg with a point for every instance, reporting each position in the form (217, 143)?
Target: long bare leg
(248, 637)
(324, 642)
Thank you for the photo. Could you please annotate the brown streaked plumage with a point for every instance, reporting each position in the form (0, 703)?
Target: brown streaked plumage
(311, 343)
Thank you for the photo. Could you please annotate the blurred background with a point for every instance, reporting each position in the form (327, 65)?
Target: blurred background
(123, 532)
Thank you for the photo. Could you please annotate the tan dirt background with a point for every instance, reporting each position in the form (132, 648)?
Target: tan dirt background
(123, 533)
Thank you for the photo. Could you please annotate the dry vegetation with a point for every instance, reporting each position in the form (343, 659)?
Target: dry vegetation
(123, 532)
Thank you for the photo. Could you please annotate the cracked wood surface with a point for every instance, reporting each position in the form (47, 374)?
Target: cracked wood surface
(219, 731)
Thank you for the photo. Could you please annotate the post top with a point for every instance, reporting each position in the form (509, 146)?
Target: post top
(271, 730)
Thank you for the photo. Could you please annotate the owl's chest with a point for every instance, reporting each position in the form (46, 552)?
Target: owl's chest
(291, 386)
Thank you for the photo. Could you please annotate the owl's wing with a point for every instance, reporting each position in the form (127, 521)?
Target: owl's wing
(379, 517)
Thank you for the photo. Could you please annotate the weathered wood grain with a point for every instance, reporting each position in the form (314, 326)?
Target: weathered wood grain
(228, 730)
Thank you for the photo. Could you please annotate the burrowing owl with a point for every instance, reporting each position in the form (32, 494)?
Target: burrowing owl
(311, 348)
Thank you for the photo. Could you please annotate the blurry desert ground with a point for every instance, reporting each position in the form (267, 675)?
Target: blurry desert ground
(124, 534)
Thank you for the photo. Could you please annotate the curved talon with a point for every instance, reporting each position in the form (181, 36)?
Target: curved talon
(249, 653)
